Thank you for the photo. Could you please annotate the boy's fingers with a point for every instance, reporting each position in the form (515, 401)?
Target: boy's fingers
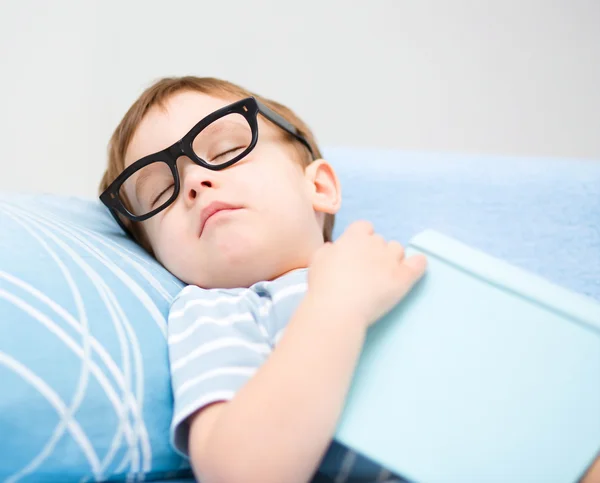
(397, 250)
(416, 265)
(361, 226)
(379, 240)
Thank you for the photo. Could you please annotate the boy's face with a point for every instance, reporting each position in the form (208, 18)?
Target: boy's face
(274, 223)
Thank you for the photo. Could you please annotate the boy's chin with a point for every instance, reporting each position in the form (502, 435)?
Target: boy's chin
(242, 259)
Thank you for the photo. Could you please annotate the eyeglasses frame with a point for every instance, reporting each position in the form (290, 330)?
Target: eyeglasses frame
(249, 108)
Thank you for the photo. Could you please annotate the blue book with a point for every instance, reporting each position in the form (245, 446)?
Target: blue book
(484, 373)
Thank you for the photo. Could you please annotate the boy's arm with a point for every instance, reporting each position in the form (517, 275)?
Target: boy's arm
(279, 425)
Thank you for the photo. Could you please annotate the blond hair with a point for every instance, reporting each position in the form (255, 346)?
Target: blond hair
(157, 94)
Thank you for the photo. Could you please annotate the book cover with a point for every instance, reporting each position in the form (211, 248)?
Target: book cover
(485, 372)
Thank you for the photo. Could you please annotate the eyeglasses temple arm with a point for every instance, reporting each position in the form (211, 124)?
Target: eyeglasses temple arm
(285, 125)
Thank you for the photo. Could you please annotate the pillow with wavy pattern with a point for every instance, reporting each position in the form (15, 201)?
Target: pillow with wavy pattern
(83, 357)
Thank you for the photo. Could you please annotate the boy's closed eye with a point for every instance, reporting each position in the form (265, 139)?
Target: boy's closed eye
(155, 184)
(222, 136)
(163, 196)
(228, 154)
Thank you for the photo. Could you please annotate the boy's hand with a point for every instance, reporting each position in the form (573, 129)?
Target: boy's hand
(362, 274)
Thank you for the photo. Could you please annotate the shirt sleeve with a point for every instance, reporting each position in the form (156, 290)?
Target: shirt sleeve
(215, 346)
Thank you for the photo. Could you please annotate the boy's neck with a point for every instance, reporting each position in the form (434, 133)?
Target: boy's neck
(286, 273)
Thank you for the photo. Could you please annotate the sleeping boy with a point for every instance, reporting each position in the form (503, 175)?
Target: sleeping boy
(228, 191)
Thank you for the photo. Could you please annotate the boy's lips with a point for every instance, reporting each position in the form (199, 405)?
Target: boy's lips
(211, 209)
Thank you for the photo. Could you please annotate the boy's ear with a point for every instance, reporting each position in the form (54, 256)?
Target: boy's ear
(324, 186)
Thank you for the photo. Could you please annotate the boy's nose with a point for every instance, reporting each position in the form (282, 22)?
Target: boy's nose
(196, 179)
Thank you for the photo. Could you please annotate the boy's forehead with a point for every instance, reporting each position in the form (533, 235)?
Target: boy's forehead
(164, 125)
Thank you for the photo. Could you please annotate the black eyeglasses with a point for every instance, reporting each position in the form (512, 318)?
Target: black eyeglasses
(219, 140)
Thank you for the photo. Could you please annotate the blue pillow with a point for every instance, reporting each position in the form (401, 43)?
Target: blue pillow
(83, 358)
(540, 214)
(83, 354)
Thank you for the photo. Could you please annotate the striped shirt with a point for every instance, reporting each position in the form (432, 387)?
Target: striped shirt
(218, 339)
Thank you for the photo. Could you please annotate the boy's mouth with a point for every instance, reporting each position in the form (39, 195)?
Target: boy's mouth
(212, 209)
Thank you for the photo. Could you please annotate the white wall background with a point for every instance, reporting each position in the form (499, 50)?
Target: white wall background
(517, 77)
